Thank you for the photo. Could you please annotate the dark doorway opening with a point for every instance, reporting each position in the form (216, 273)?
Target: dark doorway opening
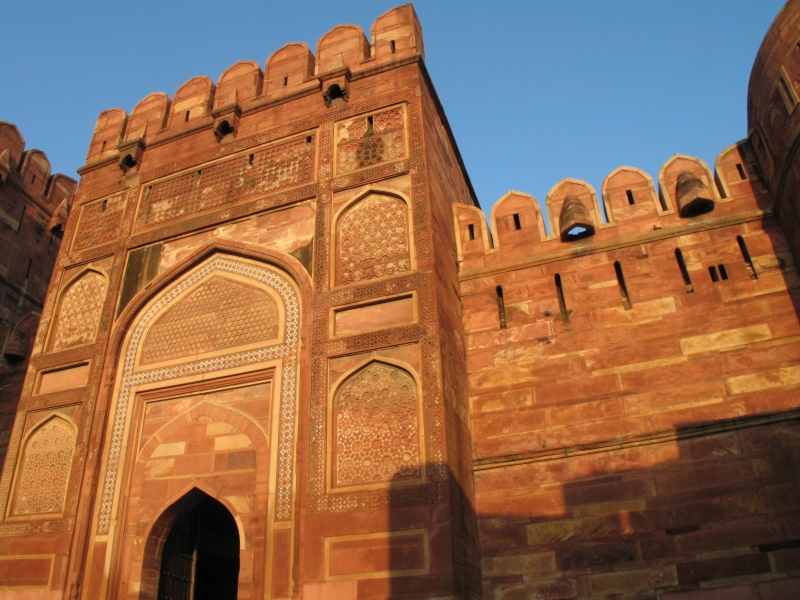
(200, 560)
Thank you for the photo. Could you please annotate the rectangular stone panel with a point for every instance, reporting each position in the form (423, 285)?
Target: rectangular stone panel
(386, 554)
(26, 572)
(376, 315)
(99, 223)
(69, 378)
(247, 176)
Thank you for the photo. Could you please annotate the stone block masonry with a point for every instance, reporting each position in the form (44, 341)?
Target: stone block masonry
(278, 301)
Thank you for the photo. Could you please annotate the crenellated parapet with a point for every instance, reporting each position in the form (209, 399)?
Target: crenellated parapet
(29, 172)
(630, 205)
(342, 55)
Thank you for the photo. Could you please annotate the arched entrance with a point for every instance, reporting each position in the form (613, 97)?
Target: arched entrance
(200, 557)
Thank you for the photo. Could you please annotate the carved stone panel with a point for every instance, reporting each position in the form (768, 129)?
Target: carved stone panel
(79, 312)
(220, 314)
(243, 177)
(44, 469)
(376, 436)
(369, 140)
(372, 239)
(99, 223)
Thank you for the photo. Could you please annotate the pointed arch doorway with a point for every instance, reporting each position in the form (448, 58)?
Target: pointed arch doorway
(200, 556)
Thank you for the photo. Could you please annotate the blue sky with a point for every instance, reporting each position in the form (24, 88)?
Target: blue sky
(534, 91)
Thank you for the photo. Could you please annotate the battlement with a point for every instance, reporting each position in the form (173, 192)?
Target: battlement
(630, 209)
(343, 54)
(29, 170)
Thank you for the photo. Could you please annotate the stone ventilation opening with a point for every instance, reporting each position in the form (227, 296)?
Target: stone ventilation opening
(501, 307)
(748, 261)
(200, 558)
(127, 163)
(623, 288)
(517, 222)
(562, 303)
(335, 96)
(576, 222)
(471, 229)
(687, 281)
(224, 128)
(629, 194)
(694, 198)
(285, 81)
(394, 49)
(186, 116)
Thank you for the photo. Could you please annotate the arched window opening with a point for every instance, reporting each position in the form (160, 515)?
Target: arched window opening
(200, 559)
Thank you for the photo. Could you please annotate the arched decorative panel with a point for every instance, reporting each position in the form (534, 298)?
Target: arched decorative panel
(44, 469)
(220, 314)
(373, 239)
(79, 311)
(376, 428)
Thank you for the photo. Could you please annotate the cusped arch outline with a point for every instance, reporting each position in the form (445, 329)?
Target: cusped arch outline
(342, 211)
(131, 331)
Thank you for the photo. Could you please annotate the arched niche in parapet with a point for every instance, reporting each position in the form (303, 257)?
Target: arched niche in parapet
(677, 185)
(148, 117)
(473, 238)
(574, 190)
(35, 170)
(238, 84)
(517, 219)
(287, 67)
(629, 194)
(107, 132)
(11, 139)
(342, 46)
(737, 173)
(372, 238)
(22, 338)
(78, 312)
(397, 32)
(193, 100)
(43, 469)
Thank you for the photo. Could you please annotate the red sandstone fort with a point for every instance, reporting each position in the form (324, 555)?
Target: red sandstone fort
(272, 348)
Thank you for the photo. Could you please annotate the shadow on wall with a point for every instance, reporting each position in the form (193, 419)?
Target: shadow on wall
(716, 506)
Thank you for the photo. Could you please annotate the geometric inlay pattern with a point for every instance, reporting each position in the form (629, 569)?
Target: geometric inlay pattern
(229, 182)
(220, 314)
(375, 427)
(285, 351)
(79, 313)
(372, 239)
(99, 223)
(44, 470)
(361, 145)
